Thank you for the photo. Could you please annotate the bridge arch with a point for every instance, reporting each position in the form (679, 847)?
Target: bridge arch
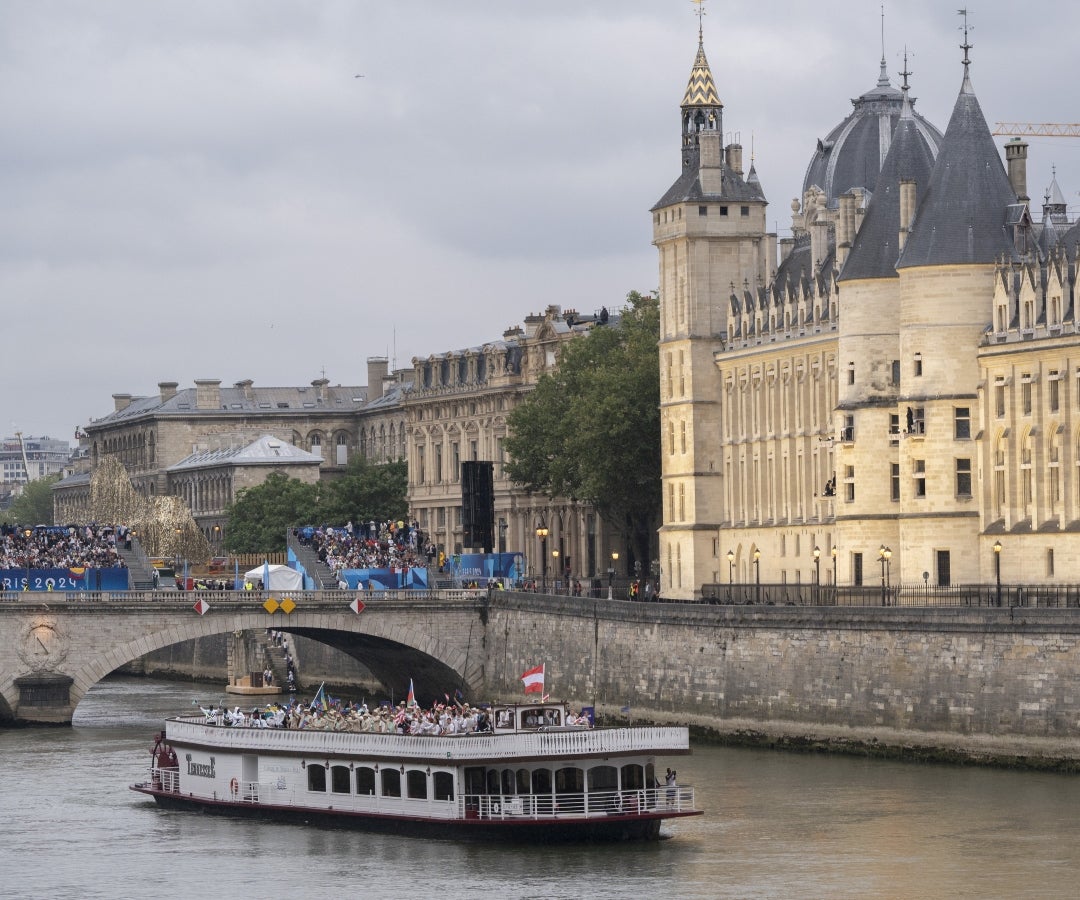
(393, 647)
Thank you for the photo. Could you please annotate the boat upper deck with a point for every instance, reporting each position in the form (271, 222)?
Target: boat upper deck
(559, 743)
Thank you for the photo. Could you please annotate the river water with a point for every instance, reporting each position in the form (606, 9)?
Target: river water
(776, 825)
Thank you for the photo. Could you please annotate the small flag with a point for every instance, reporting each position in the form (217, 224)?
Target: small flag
(411, 699)
(447, 696)
(458, 694)
(201, 607)
(357, 606)
(534, 680)
(320, 697)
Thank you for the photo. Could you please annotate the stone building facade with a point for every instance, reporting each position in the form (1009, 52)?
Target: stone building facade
(896, 392)
(457, 409)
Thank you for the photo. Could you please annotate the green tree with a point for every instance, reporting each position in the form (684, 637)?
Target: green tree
(591, 429)
(262, 515)
(34, 506)
(368, 491)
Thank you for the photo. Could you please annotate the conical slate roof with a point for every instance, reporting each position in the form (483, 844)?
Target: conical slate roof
(701, 90)
(852, 154)
(877, 245)
(961, 218)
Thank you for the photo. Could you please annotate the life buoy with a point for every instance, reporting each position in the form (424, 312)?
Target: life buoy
(234, 787)
(496, 808)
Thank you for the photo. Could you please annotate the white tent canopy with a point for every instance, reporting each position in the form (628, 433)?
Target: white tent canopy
(282, 578)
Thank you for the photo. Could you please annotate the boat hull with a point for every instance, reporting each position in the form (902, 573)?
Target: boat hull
(569, 829)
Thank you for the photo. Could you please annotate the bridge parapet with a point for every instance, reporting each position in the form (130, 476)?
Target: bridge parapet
(235, 600)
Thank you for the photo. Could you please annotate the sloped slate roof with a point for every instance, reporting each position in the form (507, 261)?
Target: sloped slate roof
(688, 189)
(267, 450)
(961, 219)
(877, 245)
(851, 155)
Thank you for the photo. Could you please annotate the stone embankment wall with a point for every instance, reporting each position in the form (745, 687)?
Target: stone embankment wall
(956, 677)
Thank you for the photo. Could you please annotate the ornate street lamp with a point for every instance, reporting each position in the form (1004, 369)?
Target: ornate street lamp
(731, 567)
(817, 574)
(611, 573)
(997, 569)
(835, 585)
(502, 535)
(542, 533)
(757, 576)
(555, 570)
(884, 555)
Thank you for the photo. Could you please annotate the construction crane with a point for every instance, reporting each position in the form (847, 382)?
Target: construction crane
(1037, 129)
(25, 461)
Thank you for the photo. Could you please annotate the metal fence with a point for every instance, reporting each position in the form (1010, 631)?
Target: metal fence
(1051, 596)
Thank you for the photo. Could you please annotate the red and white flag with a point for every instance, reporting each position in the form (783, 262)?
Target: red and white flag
(534, 680)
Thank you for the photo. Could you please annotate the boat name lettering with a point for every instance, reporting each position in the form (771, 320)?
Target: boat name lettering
(200, 770)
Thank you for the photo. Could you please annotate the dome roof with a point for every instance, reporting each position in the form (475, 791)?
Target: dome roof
(851, 155)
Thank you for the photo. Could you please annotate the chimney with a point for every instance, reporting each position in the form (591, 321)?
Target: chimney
(710, 169)
(819, 242)
(734, 158)
(320, 389)
(121, 401)
(907, 209)
(378, 367)
(1016, 157)
(845, 229)
(208, 393)
(167, 389)
(245, 388)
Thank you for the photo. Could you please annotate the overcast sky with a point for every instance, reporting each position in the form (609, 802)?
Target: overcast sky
(203, 189)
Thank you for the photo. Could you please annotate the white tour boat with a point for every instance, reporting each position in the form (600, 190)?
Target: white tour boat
(529, 777)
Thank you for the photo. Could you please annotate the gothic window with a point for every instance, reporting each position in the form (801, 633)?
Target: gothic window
(1053, 391)
(962, 423)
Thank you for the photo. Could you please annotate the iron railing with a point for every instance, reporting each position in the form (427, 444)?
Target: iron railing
(1052, 596)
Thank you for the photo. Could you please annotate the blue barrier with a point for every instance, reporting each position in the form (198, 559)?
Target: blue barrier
(112, 579)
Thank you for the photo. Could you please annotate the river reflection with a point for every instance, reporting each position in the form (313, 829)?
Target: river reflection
(776, 825)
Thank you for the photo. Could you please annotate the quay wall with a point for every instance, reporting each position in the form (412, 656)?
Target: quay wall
(1000, 673)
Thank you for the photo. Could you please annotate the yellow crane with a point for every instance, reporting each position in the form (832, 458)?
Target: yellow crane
(1037, 129)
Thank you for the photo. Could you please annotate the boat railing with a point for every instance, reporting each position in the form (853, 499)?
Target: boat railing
(166, 779)
(631, 802)
(544, 744)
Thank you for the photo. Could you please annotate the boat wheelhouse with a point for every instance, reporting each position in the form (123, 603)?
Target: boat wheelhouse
(529, 777)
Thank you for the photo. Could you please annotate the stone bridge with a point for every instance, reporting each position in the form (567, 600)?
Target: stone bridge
(55, 646)
(893, 672)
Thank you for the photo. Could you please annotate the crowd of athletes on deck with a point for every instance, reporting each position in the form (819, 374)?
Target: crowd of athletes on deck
(62, 546)
(440, 719)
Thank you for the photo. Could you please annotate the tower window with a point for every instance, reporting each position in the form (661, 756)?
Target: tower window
(703, 211)
(744, 210)
(723, 210)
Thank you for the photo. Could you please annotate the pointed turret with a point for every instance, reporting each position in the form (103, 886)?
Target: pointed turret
(907, 167)
(961, 219)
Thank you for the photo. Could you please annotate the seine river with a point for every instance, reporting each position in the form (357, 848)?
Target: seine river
(777, 825)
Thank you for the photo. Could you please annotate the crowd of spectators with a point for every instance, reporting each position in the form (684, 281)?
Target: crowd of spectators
(62, 546)
(371, 545)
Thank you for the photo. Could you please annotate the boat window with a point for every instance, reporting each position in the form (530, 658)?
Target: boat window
(524, 781)
(569, 781)
(341, 780)
(603, 778)
(650, 776)
(553, 717)
(416, 783)
(316, 777)
(532, 718)
(391, 783)
(474, 780)
(504, 718)
(365, 780)
(444, 786)
(541, 781)
(492, 781)
(633, 777)
(507, 781)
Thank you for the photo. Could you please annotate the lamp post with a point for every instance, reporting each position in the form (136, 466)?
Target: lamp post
(884, 555)
(997, 569)
(542, 533)
(817, 574)
(502, 535)
(757, 576)
(611, 573)
(555, 570)
(835, 586)
(27, 535)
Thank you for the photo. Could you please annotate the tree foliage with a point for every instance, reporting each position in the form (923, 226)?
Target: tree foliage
(34, 506)
(590, 430)
(262, 515)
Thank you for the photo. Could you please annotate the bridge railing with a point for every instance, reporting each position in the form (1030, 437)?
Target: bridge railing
(240, 599)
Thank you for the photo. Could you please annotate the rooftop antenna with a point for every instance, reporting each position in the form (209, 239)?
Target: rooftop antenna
(906, 73)
(883, 34)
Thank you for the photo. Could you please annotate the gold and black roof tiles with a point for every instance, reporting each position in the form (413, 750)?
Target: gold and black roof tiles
(701, 90)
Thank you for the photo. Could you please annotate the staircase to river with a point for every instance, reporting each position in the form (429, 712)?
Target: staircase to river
(140, 572)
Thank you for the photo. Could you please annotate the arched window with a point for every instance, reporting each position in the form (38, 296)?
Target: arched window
(391, 783)
(340, 778)
(444, 786)
(365, 780)
(316, 777)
